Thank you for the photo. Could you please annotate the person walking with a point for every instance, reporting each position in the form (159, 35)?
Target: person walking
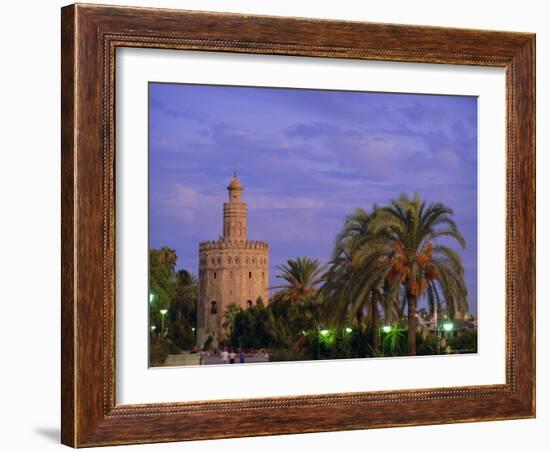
(232, 357)
(242, 356)
(225, 356)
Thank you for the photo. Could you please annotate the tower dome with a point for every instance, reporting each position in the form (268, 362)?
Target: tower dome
(235, 183)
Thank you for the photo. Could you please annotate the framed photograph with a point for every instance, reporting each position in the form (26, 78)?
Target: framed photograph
(282, 225)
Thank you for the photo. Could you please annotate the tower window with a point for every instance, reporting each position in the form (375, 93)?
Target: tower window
(250, 274)
(215, 275)
(248, 304)
(213, 308)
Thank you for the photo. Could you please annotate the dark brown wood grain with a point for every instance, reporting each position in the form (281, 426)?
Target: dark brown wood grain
(90, 36)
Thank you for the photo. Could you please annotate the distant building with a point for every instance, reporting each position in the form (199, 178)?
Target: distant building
(232, 269)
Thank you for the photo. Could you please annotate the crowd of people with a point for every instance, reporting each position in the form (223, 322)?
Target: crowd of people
(228, 355)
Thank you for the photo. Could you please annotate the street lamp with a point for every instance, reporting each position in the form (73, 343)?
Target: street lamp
(386, 329)
(348, 330)
(151, 297)
(447, 327)
(163, 313)
(324, 332)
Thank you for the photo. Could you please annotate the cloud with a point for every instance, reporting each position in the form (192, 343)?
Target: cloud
(307, 158)
(277, 202)
(183, 203)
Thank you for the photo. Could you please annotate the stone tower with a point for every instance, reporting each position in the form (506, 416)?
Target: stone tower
(232, 269)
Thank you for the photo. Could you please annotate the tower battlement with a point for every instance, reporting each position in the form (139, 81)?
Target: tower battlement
(223, 244)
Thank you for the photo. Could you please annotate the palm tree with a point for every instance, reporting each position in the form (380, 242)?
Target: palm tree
(302, 277)
(415, 262)
(355, 279)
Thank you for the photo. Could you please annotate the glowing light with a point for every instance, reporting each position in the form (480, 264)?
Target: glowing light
(324, 332)
(163, 311)
(153, 328)
(448, 326)
(151, 297)
(386, 328)
(348, 330)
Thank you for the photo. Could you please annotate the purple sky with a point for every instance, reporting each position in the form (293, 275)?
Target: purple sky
(306, 158)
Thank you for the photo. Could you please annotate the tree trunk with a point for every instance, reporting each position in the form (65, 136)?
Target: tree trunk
(412, 322)
(361, 351)
(375, 322)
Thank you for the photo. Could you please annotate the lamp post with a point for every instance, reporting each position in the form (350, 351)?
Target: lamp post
(448, 327)
(322, 333)
(386, 329)
(162, 313)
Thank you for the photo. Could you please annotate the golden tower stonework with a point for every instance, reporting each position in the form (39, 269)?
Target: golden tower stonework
(232, 269)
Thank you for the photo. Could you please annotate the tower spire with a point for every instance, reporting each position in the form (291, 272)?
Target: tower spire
(234, 211)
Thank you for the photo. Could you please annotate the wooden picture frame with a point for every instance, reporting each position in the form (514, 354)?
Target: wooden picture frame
(90, 36)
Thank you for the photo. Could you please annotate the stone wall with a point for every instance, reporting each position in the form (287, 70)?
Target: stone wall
(229, 273)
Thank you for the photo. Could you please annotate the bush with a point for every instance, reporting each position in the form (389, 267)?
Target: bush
(158, 352)
(465, 341)
(394, 343)
(426, 344)
(181, 334)
(250, 328)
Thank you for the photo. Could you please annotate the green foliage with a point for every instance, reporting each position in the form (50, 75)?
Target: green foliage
(162, 282)
(177, 292)
(394, 342)
(182, 314)
(426, 344)
(464, 341)
(301, 276)
(250, 327)
(158, 352)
